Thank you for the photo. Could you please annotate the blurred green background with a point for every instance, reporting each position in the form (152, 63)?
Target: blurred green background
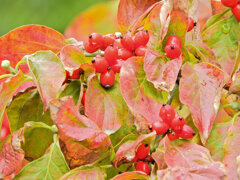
(57, 14)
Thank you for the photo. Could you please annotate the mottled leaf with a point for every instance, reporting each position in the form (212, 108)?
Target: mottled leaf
(48, 73)
(200, 90)
(140, 95)
(131, 176)
(130, 10)
(27, 40)
(85, 173)
(82, 142)
(163, 74)
(50, 166)
(101, 18)
(26, 106)
(106, 107)
(222, 38)
(128, 149)
(232, 150)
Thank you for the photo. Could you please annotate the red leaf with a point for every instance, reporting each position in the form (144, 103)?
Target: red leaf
(11, 155)
(130, 10)
(232, 150)
(127, 150)
(106, 107)
(140, 95)
(131, 176)
(80, 137)
(163, 74)
(27, 40)
(200, 90)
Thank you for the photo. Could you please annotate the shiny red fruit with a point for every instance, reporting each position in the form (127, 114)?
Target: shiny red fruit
(111, 54)
(135, 159)
(141, 51)
(128, 42)
(191, 24)
(229, 3)
(100, 64)
(172, 136)
(96, 38)
(83, 98)
(107, 78)
(66, 77)
(177, 123)
(107, 41)
(172, 51)
(117, 67)
(143, 151)
(236, 11)
(89, 47)
(76, 73)
(143, 167)
(187, 132)
(167, 113)
(174, 40)
(160, 127)
(117, 43)
(141, 38)
(124, 54)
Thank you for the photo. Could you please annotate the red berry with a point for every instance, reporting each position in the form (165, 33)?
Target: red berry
(127, 42)
(107, 40)
(177, 123)
(229, 3)
(117, 67)
(143, 151)
(187, 132)
(96, 38)
(160, 127)
(143, 167)
(172, 51)
(191, 24)
(236, 11)
(100, 64)
(117, 43)
(172, 136)
(76, 73)
(89, 47)
(107, 78)
(141, 38)
(167, 113)
(67, 76)
(135, 159)
(141, 51)
(124, 54)
(174, 40)
(83, 98)
(111, 54)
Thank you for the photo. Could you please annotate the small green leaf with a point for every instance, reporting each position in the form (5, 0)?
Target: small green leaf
(73, 89)
(51, 166)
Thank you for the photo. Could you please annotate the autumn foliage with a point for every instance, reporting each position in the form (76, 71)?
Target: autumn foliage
(158, 99)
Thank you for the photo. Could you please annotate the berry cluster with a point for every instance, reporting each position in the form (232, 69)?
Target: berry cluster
(116, 50)
(234, 5)
(5, 130)
(172, 124)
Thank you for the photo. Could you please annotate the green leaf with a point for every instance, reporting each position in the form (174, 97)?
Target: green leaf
(48, 73)
(73, 89)
(222, 38)
(51, 166)
(25, 107)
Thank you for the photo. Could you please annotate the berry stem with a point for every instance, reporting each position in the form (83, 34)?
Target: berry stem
(92, 54)
(23, 61)
(156, 143)
(224, 106)
(173, 92)
(6, 76)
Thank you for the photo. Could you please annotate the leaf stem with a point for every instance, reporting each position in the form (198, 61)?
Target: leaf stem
(23, 61)
(224, 106)
(6, 76)
(173, 92)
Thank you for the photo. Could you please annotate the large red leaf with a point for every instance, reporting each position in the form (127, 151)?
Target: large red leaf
(48, 73)
(187, 160)
(131, 176)
(232, 150)
(100, 18)
(200, 90)
(128, 149)
(140, 95)
(7, 90)
(163, 74)
(130, 10)
(82, 142)
(27, 40)
(106, 107)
